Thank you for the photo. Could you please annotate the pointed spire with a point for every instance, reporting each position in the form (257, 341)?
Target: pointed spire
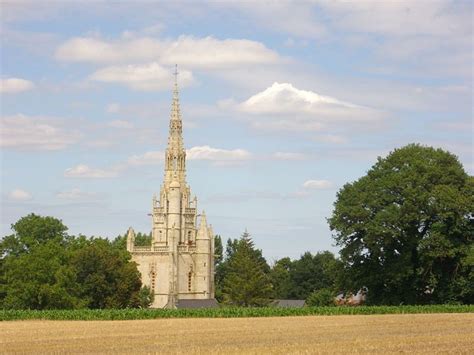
(203, 219)
(175, 157)
(175, 109)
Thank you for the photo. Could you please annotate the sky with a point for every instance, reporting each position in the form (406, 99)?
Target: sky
(283, 102)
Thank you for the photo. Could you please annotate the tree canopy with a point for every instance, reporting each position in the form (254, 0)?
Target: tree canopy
(406, 229)
(44, 268)
(246, 281)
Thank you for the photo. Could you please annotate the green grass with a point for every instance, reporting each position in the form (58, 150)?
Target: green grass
(224, 312)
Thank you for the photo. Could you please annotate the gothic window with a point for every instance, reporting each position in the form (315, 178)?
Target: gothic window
(152, 278)
(190, 278)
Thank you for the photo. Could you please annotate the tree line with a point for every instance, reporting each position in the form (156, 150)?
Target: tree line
(405, 232)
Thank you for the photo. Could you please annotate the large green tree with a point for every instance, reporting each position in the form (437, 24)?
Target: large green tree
(41, 267)
(246, 281)
(406, 228)
(106, 277)
(34, 271)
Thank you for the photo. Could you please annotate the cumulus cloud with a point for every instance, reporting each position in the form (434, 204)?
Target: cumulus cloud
(189, 51)
(219, 157)
(38, 133)
(19, 195)
(15, 85)
(148, 158)
(317, 184)
(285, 98)
(206, 152)
(147, 77)
(84, 171)
(286, 108)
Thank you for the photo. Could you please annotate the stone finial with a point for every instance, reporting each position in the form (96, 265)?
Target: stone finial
(130, 239)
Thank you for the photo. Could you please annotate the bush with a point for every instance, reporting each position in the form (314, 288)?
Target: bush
(323, 297)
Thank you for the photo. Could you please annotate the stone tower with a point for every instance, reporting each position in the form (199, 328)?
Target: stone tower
(179, 263)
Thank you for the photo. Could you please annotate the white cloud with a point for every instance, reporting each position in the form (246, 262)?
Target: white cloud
(38, 133)
(19, 195)
(397, 18)
(208, 153)
(317, 184)
(120, 124)
(15, 85)
(285, 98)
(219, 157)
(148, 158)
(113, 108)
(148, 77)
(191, 52)
(84, 171)
(283, 107)
(288, 156)
(74, 194)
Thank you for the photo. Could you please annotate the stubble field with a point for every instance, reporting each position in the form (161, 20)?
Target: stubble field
(414, 333)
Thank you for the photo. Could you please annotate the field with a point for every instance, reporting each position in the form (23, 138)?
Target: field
(420, 333)
(224, 312)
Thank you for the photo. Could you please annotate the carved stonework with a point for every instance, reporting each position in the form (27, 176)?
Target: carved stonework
(178, 264)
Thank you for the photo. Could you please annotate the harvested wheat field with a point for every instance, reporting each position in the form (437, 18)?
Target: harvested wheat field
(420, 333)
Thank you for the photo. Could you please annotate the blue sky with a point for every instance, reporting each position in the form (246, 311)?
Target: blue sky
(283, 103)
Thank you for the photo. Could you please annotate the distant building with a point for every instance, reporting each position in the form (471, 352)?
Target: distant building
(179, 264)
(288, 303)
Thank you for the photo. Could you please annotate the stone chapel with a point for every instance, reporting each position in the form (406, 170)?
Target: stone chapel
(179, 263)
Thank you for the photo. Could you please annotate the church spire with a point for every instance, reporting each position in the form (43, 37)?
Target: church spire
(175, 110)
(175, 157)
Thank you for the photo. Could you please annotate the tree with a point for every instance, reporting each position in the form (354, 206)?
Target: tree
(313, 272)
(320, 298)
(281, 278)
(106, 276)
(31, 231)
(145, 297)
(34, 271)
(246, 283)
(41, 267)
(406, 228)
(218, 250)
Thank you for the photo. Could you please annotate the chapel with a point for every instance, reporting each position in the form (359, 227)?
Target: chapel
(179, 263)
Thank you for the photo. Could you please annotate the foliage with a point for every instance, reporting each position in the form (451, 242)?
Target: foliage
(145, 297)
(406, 229)
(218, 267)
(218, 250)
(246, 283)
(31, 231)
(141, 240)
(281, 278)
(297, 279)
(224, 312)
(44, 268)
(322, 297)
(106, 277)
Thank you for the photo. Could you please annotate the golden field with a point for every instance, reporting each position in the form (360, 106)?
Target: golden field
(411, 333)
